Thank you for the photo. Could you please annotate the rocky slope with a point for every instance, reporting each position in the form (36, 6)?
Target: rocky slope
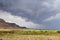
(6, 25)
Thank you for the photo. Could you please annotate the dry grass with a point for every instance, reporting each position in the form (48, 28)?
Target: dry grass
(17, 36)
(29, 37)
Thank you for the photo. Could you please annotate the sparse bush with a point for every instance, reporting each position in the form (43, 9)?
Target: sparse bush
(6, 32)
(46, 31)
(29, 32)
(58, 31)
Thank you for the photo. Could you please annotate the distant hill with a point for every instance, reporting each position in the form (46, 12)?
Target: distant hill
(6, 25)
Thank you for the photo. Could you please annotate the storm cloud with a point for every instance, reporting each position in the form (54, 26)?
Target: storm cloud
(35, 11)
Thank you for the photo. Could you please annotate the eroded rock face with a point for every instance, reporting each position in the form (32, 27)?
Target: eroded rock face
(6, 25)
(2, 21)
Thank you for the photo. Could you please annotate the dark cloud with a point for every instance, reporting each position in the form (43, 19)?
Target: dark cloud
(34, 10)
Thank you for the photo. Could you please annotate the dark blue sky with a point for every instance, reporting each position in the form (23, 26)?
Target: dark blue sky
(41, 14)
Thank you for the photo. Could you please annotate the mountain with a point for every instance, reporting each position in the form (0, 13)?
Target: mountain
(7, 25)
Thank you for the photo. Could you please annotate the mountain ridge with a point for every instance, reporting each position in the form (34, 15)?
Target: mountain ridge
(7, 25)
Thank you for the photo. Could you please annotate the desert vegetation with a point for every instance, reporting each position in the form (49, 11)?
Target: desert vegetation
(29, 34)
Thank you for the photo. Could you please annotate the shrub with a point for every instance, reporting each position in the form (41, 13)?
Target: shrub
(58, 31)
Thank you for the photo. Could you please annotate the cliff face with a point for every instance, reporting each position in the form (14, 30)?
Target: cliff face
(6, 25)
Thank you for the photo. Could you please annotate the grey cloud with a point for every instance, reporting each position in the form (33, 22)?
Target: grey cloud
(34, 10)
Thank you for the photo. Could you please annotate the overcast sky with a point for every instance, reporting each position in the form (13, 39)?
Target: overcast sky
(38, 14)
